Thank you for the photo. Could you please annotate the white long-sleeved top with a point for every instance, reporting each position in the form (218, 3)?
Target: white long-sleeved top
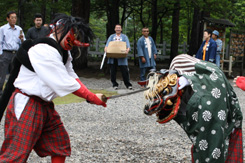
(51, 77)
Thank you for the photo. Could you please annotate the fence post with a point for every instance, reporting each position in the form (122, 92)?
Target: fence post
(230, 66)
(227, 53)
(184, 48)
(135, 62)
(164, 48)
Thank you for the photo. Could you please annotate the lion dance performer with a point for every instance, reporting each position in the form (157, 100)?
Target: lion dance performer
(197, 95)
(42, 71)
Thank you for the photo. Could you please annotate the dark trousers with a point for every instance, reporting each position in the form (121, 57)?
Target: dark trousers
(143, 72)
(5, 60)
(124, 71)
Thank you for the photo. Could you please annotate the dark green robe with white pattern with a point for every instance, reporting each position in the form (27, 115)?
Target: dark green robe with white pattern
(212, 113)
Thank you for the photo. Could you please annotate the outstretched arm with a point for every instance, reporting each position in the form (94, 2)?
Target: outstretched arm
(89, 96)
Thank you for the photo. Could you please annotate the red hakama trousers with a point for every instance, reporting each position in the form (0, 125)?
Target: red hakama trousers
(39, 127)
(235, 149)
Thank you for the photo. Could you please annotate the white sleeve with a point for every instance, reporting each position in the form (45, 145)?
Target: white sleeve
(48, 65)
(183, 82)
(69, 66)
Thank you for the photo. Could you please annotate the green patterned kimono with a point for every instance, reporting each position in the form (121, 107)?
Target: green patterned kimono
(212, 113)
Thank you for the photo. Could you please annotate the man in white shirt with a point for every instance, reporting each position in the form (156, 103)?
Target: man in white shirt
(11, 37)
(31, 121)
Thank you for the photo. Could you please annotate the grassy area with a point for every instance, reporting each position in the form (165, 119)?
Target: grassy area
(71, 98)
(75, 99)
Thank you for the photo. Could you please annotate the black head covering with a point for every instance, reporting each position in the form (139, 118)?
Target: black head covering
(63, 23)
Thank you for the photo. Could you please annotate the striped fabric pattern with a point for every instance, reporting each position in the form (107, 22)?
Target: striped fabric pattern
(184, 63)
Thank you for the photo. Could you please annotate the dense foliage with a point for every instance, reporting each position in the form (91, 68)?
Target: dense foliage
(133, 15)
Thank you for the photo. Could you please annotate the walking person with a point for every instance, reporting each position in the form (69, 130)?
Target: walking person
(122, 63)
(11, 37)
(44, 71)
(38, 30)
(147, 53)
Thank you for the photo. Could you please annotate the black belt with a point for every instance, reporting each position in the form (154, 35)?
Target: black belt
(10, 51)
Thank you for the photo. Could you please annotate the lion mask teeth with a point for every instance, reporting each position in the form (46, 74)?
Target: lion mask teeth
(169, 102)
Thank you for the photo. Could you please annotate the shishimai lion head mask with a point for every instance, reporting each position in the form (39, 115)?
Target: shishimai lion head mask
(163, 96)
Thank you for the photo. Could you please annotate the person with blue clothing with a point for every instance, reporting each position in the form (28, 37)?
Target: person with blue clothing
(207, 51)
(122, 63)
(218, 41)
(11, 37)
(147, 53)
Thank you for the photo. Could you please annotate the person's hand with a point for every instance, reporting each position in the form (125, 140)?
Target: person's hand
(101, 97)
(21, 37)
(143, 60)
(100, 100)
(105, 49)
(234, 81)
(155, 56)
(88, 95)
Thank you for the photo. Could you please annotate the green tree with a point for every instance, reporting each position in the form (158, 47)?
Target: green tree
(81, 8)
(175, 30)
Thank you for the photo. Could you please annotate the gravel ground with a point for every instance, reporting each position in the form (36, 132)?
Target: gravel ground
(121, 132)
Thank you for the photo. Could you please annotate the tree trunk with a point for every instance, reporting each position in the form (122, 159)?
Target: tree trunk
(154, 20)
(81, 8)
(43, 11)
(175, 31)
(201, 29)
(21, 11)
(112, 7)
(193, 47)
(54, 9)
(189, 25)
(141, 13)
(161, 32)
(123, 13)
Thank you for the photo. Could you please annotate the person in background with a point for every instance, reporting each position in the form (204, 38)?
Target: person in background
(147, 53)
(120, 62)
(207, 51)
(11, 37)
(218, 41)
(38, 30)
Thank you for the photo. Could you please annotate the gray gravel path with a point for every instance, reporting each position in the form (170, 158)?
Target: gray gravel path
(121, 132)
